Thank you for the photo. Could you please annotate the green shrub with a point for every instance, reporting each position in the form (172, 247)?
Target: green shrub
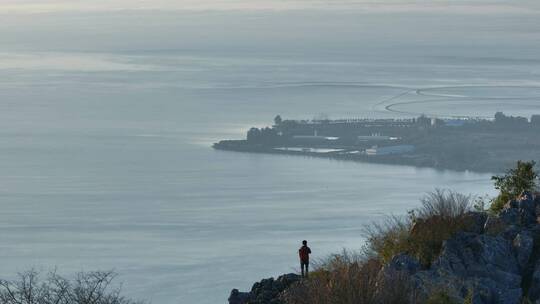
(513, 183)
(498, 202)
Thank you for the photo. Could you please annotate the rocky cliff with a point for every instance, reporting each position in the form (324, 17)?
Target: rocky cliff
(496, 260)
(267, 291)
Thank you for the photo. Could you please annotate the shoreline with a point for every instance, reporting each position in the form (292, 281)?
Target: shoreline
(413, 160)
(476, 145)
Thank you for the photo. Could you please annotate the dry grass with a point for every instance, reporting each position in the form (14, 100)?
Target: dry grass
(387, 238)
(349, 279)
(444, 203)
(421, 235)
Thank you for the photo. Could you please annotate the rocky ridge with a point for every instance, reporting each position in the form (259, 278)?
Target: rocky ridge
(496, 259)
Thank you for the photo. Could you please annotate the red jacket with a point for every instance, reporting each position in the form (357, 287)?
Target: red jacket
(304, 253)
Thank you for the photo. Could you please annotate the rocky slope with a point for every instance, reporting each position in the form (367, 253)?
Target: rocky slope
(495, 260)
(267, 291)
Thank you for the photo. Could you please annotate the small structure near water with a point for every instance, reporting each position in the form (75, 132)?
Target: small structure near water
(390, 150)
(313, 139)
(375, 137)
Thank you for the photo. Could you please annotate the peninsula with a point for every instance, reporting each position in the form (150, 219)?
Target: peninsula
(475, 144)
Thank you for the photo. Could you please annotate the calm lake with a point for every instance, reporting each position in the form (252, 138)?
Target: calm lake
(106, 151)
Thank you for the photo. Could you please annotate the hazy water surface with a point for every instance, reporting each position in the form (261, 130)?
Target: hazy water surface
(105, 149)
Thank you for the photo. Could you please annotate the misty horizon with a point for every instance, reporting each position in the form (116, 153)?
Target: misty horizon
(109, 110)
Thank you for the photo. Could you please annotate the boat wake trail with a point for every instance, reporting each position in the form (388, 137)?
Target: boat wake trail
(466, 95)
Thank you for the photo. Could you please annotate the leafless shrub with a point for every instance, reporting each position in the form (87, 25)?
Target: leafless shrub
(445, 204)
(86, 288)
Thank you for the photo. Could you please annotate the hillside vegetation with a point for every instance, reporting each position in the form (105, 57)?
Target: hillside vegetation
(452, 249)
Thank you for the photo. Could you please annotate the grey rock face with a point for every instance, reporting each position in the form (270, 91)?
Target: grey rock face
(512, 296)
(494, 225)
(510, 232)
(472, 263)
(490, 266)
(510, 216)
(523, 246)
(534, 289)
(474, 252)
(526, 202)
(521, 211)
(238, 297)
(475, 221)
(266, 291)
(491, 262)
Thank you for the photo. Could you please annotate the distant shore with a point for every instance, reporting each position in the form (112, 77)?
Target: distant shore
(417, 161)
(479, 145)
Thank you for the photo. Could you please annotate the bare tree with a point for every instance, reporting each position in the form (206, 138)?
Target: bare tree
(86, 288)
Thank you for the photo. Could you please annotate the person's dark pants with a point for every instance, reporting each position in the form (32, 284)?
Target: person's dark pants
(304, 265)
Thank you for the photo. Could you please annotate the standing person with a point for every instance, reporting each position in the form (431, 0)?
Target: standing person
(304, 253)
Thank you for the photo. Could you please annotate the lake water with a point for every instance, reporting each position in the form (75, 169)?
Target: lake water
(106, 152)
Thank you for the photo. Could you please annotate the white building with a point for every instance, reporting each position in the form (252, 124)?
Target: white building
(315, 138)
(374, 137)
(390, 150)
